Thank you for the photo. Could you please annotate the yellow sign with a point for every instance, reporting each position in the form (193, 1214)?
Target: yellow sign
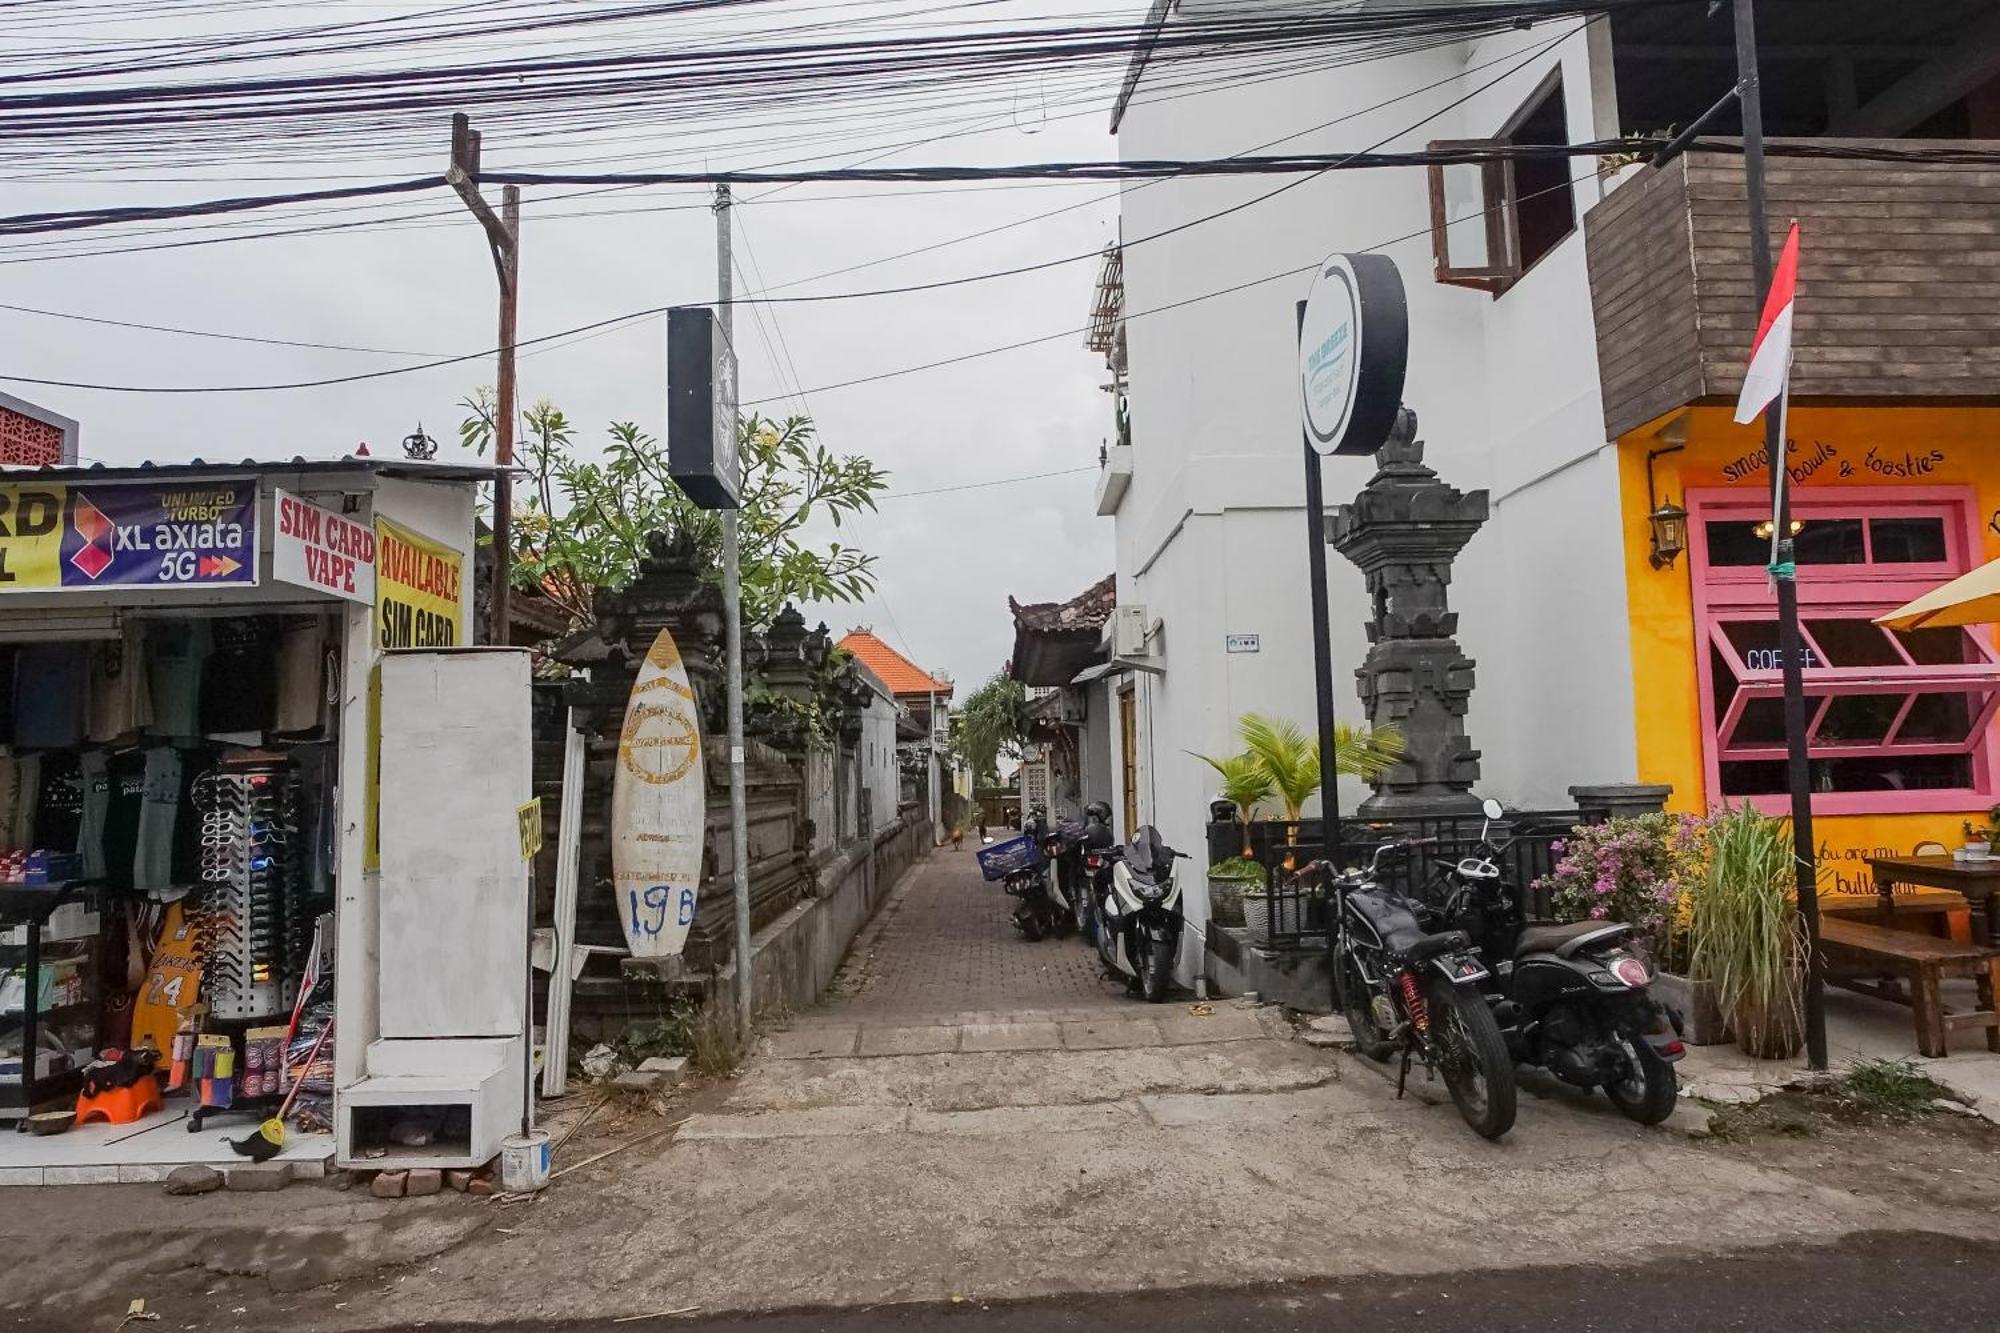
(417, 590)
(31, 535)
(529, 817)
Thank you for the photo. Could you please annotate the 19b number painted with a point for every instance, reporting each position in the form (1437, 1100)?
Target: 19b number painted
(649, 908)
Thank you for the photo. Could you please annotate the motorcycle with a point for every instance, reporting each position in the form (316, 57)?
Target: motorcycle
(1572, 998)
(1139, 917)
(1042, 910)
(1094, 852)
(1406, 989)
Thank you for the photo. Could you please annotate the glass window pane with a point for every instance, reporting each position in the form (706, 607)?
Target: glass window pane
(1753, 777)
(1721, 681)
(1829, 541)
(1853, 643)
(1756, 645)
(1735, 544)
(1858, 717)
(1894, 772)
(1941, 718)
(1465, 205)
(1762, 723)
(1940, 647)
(1898, 541)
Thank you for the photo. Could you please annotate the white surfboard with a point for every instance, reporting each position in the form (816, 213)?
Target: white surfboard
(658, 807)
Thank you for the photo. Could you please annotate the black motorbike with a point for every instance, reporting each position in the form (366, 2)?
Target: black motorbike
(1042, 910)
(1573, 998)
(1410, 990)
(1095, 849)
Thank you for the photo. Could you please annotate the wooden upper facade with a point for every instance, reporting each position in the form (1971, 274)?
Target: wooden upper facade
(1899, 286)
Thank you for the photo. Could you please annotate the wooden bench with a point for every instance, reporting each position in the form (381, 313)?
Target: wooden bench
(1927, 911)
(1925, 960)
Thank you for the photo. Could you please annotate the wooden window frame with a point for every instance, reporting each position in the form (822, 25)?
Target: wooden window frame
(1501, 193)
(1725, 594)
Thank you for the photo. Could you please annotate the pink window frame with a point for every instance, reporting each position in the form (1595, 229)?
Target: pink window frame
(1722, 594)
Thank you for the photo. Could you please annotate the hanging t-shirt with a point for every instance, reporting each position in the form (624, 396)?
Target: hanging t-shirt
(239, 681)
(301, 659)
(124, 803)
(95, 804)
(174, 653)
(166, 860)
(28, 782)
(58, 804)
(120, 702)
(51, 684)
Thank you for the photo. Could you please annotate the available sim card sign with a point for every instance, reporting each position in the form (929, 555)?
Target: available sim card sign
(701, 408)
(193, 534)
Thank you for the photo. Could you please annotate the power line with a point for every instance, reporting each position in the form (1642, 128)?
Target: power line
(209, 333)
(982, 485)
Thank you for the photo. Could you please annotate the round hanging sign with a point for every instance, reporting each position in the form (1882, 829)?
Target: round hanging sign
(1354, 344)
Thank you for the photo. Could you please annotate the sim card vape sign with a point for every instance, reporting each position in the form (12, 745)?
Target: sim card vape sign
(56, 538)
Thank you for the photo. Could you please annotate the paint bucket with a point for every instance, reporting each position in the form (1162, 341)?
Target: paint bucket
(524, 1162)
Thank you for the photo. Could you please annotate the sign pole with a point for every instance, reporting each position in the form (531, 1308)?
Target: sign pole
(1790, 644)
(1322, 628)
(732, 596)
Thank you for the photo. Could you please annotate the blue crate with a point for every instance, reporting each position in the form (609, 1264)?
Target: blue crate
(1006, 858)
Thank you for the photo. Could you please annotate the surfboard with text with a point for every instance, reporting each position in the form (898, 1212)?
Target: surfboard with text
(658, 807)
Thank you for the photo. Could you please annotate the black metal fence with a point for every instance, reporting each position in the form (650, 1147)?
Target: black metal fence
(1294, 909)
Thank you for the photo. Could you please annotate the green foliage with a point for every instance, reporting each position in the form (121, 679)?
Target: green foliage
(1246, 784)
(583, 524)
(1239, 869)
(1744, 928)
(1291, 759)
(993, 723)
(1891, 1089)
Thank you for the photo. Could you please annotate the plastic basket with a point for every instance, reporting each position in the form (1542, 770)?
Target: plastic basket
(1006, 858)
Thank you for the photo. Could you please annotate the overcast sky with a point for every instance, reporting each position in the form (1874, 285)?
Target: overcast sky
(947, 562)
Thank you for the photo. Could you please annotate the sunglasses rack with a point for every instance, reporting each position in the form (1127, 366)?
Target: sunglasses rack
(250, 867)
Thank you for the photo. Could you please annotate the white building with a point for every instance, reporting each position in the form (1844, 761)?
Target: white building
(1556, 601)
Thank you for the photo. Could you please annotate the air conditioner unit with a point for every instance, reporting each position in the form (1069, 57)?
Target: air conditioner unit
(1128, 632)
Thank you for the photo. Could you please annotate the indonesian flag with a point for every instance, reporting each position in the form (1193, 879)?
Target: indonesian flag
(1771, 354)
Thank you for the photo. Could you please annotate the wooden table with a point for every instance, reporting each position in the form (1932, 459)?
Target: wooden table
(1979, 881)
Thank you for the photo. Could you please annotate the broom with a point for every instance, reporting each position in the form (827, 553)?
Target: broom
(268, 1139)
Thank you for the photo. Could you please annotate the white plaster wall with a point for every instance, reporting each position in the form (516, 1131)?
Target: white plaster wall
(877, 753)
(1211, 536)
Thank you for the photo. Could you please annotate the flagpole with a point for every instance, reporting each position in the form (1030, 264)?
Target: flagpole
(1790, 644)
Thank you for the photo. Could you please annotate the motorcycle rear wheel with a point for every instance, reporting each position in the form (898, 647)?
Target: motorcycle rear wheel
(1086, 919)
(1650, 1089)
(1156, 970)
(1474, 1061)
(1029, 920)
(1356, 1006)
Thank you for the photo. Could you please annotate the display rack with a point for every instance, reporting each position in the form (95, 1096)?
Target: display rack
(28, 907)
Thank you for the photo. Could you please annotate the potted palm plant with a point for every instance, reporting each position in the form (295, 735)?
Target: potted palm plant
(1292, 759)
(1744, 932)
(1245, 785)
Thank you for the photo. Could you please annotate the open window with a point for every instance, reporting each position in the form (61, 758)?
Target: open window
(1493, 221)
(1894, 721)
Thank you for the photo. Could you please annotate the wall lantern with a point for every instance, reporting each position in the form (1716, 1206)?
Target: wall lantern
(1668, 520)
(1670, 533)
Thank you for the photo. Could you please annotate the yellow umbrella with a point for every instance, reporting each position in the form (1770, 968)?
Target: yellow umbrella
(1969, 599)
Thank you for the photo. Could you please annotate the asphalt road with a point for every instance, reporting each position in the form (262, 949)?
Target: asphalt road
(1883, 1283)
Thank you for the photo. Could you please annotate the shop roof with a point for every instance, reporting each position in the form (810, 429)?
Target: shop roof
(1055, 640)
(903, 677)
(401, 468)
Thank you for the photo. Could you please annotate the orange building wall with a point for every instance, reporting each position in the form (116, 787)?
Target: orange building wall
(1829, 447)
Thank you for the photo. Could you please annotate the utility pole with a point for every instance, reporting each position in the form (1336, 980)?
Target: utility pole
(503, 237)
(1798, 769)
(732, 596)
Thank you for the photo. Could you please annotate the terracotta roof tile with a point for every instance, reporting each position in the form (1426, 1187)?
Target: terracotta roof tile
(899, 673)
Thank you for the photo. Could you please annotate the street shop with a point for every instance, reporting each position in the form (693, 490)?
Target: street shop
(222, 689)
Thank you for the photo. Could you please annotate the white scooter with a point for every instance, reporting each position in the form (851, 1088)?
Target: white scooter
(1139, 922)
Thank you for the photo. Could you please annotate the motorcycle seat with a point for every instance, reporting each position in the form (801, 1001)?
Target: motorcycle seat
(1401, 934)
(1564, 940)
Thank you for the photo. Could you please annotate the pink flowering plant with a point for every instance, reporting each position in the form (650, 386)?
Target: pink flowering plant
(1637, 869)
